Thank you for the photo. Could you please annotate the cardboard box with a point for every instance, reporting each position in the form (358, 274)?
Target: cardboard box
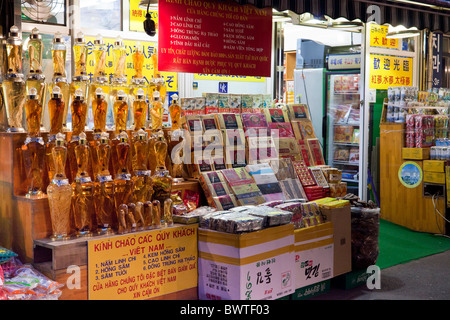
(311, 290)
(341, 219)
(416, 153)
(434, 177)
(314, 254)
(249, 266)
(434, 165)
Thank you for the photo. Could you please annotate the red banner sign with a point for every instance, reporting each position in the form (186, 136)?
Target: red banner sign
(214, 37)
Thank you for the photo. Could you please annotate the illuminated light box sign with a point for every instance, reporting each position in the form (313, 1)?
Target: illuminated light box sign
(378, 37)
(214, 37)
(143, 265)
(390, 71)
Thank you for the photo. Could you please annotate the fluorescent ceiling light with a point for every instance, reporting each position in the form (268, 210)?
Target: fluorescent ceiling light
(401, 32)
(342, 23)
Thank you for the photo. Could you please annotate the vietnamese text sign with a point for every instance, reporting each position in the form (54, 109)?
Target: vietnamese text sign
(214, 37)
(225, 77)
(148, 48)
(390, 71)
(378, 37)
(143, 265)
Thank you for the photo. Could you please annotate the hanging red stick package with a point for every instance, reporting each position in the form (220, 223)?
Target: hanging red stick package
(191, 199)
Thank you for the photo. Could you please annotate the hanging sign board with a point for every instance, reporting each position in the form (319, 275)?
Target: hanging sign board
(390, 71)
(143, 265)
(148, 48)
(378, 37)
(214, 37)
(344, 61)
(436, 59)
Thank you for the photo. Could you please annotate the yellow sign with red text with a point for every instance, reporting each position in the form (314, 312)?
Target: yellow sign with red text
(390, 71)
(378, 37)
(143, 265)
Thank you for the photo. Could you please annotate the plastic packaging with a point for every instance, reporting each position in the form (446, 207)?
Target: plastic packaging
(365, 223)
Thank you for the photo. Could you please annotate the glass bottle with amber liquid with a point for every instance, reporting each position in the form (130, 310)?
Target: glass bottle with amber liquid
(59, 192)
(33, 149)
(104, 189)
(142, 183)
(162, 181)
(157, 83)
(119, 79)
(36, 78)
(137, 81)
(79, 109)
(176, 140)
(100, 78)
(83, 191)
(123, 185)
(121, 112)
(80, 79)
(59, 53)
(156, 112)
(140, 108)
(14, 89)
(56, 108)
(99, 110)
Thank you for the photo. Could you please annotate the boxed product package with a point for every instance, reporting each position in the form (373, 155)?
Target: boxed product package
(229, 121)
(255, 124)
(234, 103)
(318, 176)
(276, 115)
(305, 153)
(261, 149)
(223, 103)
(225, 202)
(298, 112)
(235, 157)
(343, 134)
(266, 181)
(247, 103)
(314, 254)
(211, 103)
(240, 266)
(316, 152)
(338, 190)
(281, 130)
(303, 173)
(341, 220)
(243, 186)
(303, 129)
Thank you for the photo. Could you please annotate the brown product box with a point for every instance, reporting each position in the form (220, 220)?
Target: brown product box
(287, 146)
(303, 129)
(229, 121)
(341, 219)
(315, 150)
(298, 112)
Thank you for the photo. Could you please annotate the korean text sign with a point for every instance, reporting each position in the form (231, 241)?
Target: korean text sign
(214, 37)
(390, 71)
(143, 265)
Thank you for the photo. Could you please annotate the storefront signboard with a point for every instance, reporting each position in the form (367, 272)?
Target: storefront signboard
(390, 71)
(143, 265)
(436, 59)
(378, 37)
(214, 37)
(148, 48)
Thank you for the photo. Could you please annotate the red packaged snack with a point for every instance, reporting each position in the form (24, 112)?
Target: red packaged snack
(191, 199)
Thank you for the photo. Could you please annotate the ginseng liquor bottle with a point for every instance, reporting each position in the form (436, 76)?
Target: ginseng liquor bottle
(33, 149)
(140, 109)
(162, 181)
(104, 189)
(156, 112)
(142, 181)
(123, 185)
(59, 192)
(83, 191)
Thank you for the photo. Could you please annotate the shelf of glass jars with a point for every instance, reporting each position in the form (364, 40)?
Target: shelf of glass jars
(27, 218)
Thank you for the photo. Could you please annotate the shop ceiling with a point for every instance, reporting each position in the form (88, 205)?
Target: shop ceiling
(433, 15)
